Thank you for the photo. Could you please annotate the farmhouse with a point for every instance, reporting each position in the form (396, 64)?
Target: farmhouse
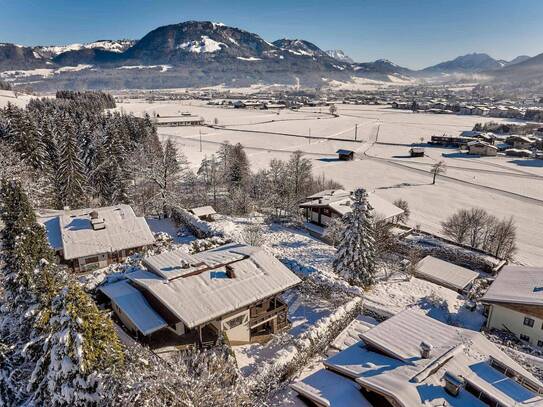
(184, 299)
(521, 142)
(177, 121)
(88, 239)
(483, 148)
(515, 303)
(324, 206)
(414, 360)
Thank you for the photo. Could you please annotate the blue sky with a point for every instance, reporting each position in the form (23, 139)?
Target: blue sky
(413, 33)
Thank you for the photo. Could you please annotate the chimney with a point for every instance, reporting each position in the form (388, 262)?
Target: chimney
(230, 271)
(453, 383)
(97, 222)
(425, 350)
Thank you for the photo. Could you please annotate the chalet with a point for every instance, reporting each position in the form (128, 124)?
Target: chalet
(414, 360)
(179, 121)
(345, 155)
(515, 303)
(324, 206)
(88, 239)
(482, 148)
(416, 151)
(445, 274)
(517, 152)
(186, 299)
(206, 213)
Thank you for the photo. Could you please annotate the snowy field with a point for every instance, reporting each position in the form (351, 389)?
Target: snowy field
(505, 186)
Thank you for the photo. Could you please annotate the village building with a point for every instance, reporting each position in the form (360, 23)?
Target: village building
(521, 142)
(187, 299)
(321, 208)
(482, 148)
(179, 121)
(88, 239)
(414, 360)
(445, 274)
(515, 303)
(345, 155)
(206, 213)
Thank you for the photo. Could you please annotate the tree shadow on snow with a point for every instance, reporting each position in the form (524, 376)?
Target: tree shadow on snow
(528, 163)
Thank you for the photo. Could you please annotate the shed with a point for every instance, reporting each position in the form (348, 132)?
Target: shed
(345, 155)
(416, 151)
(204, 212)
(446, 274)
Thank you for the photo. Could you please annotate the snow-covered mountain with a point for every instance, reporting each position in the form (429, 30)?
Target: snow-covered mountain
(470, 63)
(108, 45)
(340, 56)
(300, 48)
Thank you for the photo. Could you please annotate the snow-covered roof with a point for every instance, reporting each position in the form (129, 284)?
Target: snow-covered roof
(351, 334)
(209, 290)
(388, 361)
(134, 305)
(52, 228)
(123, 230)
(203, 211)
(328, 389)
(517, 285)
(444, 273)
(340, 201)
(344, 152)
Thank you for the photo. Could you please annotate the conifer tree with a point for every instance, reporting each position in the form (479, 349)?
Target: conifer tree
(355, 256)
(71, 171)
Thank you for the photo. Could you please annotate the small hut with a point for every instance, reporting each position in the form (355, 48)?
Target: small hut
(345, 155)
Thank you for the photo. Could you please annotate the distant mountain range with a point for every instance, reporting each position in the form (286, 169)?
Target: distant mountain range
(202, 53)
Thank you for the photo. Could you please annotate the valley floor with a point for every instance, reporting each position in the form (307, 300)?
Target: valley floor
(504, 186)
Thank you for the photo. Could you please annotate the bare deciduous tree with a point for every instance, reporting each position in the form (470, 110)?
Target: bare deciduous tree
(437, 169)
(403, 205)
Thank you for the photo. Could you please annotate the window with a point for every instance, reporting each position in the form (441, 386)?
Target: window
(528, 321)
(235, 322)
(540, 344)
(524, 338)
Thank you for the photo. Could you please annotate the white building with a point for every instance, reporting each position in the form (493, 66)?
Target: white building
(515, 301)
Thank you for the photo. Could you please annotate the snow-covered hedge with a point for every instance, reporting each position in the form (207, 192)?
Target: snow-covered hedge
(200, 245)
(301, 349)
(199, 228)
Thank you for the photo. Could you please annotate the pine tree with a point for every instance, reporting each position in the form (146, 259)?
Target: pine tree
(355, 256)
(80, 348)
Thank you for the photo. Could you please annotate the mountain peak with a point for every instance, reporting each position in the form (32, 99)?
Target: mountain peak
(339, 55)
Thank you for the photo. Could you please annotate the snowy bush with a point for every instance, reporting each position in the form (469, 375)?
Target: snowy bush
(253, 235)
(199, 228)
(206, 244)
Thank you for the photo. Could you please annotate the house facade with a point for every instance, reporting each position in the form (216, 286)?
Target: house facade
(192, 299)
(89, 239)
(482, 148)
(321, 208)
(515, 303)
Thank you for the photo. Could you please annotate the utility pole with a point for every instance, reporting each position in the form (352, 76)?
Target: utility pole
(309, 137)
(355, 131)
(200, 140)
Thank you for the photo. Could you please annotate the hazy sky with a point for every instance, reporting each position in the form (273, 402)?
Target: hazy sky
(413, 33)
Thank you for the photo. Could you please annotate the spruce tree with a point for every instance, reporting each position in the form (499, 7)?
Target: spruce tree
(355, 256)
(71, 171)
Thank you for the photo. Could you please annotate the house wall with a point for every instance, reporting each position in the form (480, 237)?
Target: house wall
(482, 150)
(124, 319)
(514, 321)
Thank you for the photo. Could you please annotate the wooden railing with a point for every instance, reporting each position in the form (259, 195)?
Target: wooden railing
(267, 315)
